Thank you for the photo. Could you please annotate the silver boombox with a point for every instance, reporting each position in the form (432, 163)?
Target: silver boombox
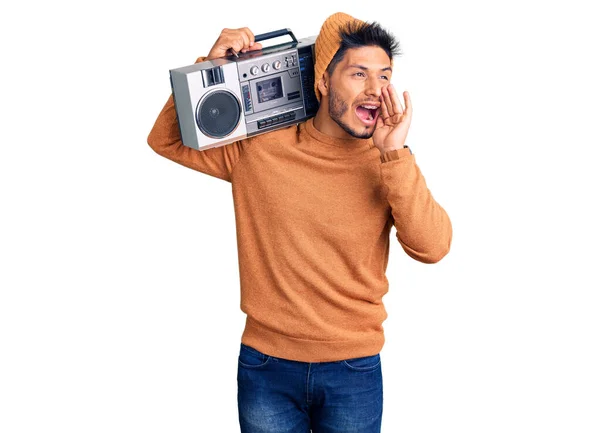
(223, 100)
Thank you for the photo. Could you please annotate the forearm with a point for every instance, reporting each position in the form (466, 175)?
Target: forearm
(423, 227)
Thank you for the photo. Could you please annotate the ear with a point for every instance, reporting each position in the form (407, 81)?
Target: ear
(323, 84)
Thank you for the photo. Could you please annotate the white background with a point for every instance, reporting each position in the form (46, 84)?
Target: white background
(119, 302)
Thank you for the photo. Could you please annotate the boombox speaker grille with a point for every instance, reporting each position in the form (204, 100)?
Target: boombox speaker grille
(218, 114)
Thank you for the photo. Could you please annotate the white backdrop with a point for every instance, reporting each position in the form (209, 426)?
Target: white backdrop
(119, 302)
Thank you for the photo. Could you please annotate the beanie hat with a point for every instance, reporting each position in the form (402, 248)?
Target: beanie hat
(328, 42)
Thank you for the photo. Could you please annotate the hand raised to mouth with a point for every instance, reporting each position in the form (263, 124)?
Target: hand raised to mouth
(393, 121)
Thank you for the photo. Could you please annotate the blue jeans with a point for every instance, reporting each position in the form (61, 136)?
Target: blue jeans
(277, 395)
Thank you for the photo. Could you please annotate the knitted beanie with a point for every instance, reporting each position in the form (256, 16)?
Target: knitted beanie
(328, 42)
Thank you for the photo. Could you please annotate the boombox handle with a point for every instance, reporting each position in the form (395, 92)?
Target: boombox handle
(275, 34)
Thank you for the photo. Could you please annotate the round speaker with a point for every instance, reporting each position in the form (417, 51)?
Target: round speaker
(218, 114)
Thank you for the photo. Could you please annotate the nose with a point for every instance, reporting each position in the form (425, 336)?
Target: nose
(373, 87)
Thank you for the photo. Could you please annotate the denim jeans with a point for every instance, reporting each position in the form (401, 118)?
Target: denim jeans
(277, 395)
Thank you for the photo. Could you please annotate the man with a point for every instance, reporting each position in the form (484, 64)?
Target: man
(314, 206)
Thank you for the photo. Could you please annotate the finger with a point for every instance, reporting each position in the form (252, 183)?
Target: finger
(389, 107)
(249, 35)
(408, 103)
(384, 111)
(251, 44)
(256, 46)
(396, 105)
(244, 39)
(379, 123)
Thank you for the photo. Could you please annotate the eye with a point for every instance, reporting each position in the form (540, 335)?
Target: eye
(360, 73)
(385, 77)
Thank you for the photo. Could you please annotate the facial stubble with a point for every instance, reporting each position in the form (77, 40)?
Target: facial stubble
(337, 108)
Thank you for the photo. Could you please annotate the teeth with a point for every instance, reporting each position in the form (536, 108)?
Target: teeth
(369, 107)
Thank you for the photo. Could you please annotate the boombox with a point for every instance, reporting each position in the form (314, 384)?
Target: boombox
(227, 99)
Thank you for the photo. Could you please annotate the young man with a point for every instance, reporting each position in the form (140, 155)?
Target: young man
(314, 206)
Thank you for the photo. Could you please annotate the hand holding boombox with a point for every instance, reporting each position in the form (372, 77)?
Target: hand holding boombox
(234, 40)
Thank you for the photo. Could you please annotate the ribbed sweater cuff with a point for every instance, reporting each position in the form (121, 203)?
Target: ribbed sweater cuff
(391, 155)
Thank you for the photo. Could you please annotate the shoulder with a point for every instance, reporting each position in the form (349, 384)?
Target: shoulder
(286, 134)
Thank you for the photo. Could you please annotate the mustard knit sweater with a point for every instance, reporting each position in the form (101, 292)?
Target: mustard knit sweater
(313, 219)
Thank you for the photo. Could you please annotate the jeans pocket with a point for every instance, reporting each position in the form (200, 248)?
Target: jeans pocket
(364, 363)
(251, 358)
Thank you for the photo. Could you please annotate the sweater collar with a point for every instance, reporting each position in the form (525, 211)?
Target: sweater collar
(348, 143)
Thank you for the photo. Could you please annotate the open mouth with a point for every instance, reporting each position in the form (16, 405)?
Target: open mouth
(367, 113)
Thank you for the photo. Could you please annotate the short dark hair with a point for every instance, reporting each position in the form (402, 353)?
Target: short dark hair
(357, 35)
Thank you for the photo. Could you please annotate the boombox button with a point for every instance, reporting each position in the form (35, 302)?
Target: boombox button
(266, 67)
(276, 64)
(254, 70)
(262, 123)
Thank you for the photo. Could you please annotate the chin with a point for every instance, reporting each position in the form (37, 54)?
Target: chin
(358, 132)
(358, 129)
(364, 134)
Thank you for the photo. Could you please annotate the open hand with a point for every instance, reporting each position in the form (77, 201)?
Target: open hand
(393, 121)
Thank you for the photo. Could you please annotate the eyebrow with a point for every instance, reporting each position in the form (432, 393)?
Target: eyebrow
(364, 68)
